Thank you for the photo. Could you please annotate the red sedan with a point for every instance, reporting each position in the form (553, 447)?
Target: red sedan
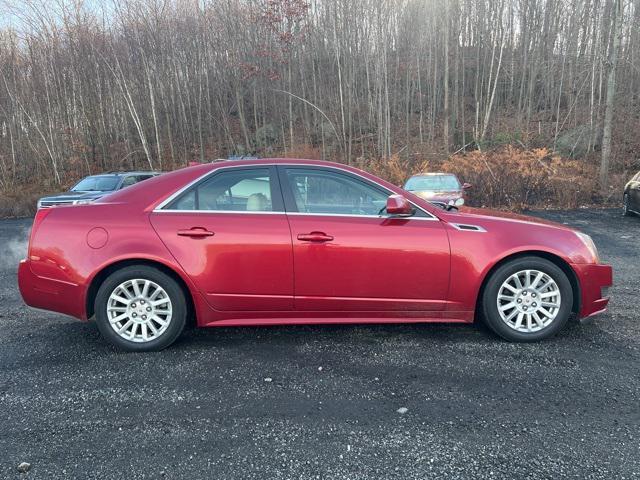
(280, 241)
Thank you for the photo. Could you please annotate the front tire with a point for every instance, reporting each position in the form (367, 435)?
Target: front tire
(527, 300)
(140, 309)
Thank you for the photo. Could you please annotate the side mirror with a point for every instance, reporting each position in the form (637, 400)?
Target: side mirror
(466, 186)
(398, 205)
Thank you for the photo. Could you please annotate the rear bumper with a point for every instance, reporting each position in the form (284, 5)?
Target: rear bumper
(50, 294)
(594, 280)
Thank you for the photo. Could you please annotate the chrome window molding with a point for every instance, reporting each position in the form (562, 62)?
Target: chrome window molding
(304, 214)
(243, 212)
(160, 207)
(354, 215)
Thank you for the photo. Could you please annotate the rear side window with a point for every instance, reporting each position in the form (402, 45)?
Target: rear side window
(233, 190)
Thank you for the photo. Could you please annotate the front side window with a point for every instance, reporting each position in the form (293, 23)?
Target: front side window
(323, 192)
(246, 190)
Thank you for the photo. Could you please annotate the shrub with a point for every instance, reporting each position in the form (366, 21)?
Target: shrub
(393, 169)
(517, 179)
(18, 204)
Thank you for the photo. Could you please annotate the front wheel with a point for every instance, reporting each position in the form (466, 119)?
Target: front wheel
(527, 299)
(139, 308)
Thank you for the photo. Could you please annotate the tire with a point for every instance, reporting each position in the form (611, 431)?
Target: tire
(134, 292)
(540, 320)
(625, 206)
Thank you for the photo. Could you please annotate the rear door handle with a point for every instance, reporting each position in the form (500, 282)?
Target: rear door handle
(195, 232)
(315, 237)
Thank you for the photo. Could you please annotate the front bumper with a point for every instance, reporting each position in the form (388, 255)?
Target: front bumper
(50, 294)
(594, 280)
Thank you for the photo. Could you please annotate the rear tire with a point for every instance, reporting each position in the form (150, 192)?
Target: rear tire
(527, 299)
(140, 309)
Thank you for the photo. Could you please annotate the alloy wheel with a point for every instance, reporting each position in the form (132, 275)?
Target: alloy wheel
(139, 310)
(529, 301)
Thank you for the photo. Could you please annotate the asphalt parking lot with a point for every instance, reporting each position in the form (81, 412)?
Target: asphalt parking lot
(322, 401)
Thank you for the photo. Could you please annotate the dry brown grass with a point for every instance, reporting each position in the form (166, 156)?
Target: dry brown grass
(394, 169)
(18, 204)
(516, 179)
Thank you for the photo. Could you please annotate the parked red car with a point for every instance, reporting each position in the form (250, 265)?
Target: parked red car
(280, 241)
(438, 187)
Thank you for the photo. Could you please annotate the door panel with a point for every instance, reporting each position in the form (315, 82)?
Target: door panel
(230, 234)
(372, 264)
(246, 265)
(634, 193)
(349, 257)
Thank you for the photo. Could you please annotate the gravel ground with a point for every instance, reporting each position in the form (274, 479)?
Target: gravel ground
(322, 401)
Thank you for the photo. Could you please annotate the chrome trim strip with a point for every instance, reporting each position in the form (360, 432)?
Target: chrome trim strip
(471, 228)
(246, 212)
(161, 205)
(350, 215)
(259, 212)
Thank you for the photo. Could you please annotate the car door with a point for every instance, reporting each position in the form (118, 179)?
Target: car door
(230, 234)
(634, 193)
(349, 255)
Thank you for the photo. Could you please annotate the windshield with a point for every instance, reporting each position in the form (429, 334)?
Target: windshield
(432, 182)
(97, 183)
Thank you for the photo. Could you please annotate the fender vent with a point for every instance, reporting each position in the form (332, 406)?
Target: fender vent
(468, 228)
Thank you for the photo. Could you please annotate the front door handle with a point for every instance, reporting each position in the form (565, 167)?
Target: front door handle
(195, 232)
(315, 237)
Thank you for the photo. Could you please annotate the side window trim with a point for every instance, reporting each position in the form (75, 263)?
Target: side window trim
(287, 194)
(274, 186)
(292, 208)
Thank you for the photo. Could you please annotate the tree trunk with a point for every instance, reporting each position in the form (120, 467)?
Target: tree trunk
(611, 93)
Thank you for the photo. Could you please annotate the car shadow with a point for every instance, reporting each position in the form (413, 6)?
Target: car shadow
(73, 339)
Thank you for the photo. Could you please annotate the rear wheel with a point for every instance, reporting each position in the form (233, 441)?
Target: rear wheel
(140, 308)
(527, 299)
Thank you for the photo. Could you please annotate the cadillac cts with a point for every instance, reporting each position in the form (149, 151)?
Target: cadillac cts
(279, 241)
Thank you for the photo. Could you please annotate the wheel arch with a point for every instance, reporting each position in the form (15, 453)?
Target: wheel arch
(555, 259)
(107, 270)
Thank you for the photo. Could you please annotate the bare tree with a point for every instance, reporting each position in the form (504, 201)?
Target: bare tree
(159, 83)
(616, 18)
